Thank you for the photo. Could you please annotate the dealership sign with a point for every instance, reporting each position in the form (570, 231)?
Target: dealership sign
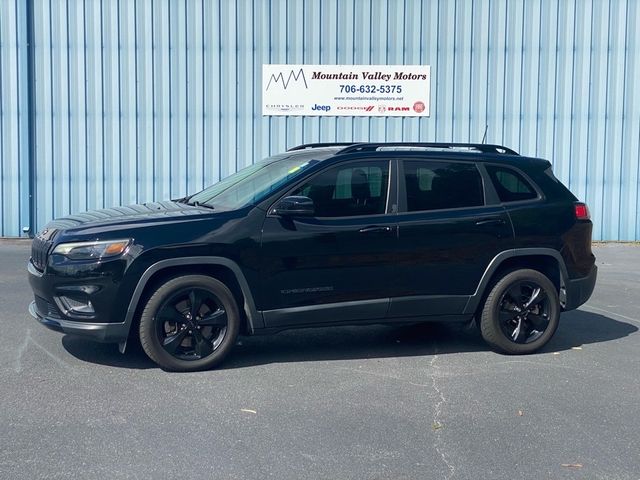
(346, 90)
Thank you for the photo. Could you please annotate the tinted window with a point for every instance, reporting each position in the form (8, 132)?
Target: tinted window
(440, 185)
(349, 190)
(510, 185)
(252, 184)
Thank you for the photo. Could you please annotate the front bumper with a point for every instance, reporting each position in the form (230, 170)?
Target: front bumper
(579, 290)
(101, 332)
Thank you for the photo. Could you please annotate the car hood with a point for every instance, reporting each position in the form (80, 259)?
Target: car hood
(129, 216)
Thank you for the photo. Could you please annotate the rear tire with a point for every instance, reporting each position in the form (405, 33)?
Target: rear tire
(189, 323)
(521, 313)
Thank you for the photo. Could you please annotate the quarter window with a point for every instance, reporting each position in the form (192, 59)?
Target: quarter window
(510, 185)
(440, 185)
(349, 190)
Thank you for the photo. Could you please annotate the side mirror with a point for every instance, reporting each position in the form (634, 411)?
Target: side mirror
(296, 206)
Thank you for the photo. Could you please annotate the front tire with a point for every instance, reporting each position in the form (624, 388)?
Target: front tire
(521, 313)
(190, 323)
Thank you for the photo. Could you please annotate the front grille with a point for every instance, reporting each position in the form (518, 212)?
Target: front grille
(39, 251)
(46, 309)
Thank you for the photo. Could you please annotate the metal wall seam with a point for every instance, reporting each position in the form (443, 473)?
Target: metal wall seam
(3, 102)
(25, 105)
(13, 148)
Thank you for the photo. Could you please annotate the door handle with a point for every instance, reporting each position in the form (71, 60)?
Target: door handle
(491, 221)
(375, 229)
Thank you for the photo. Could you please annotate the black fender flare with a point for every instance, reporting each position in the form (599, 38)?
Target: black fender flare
(494, 264)
(254, 318)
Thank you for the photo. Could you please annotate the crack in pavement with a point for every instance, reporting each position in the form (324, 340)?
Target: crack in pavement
(441, 400)
(437, 425)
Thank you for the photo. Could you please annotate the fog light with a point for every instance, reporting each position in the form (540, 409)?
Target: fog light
(77, 306)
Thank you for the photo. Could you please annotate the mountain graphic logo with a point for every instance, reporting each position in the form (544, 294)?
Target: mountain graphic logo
(293, 76)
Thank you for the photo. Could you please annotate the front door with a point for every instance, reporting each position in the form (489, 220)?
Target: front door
(337, 265)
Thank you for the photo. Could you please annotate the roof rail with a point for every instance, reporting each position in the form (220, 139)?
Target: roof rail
(480, 147)
(320, 145)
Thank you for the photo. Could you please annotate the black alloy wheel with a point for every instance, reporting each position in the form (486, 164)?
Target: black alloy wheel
(189, 323)
(524, 312)
(521, 313)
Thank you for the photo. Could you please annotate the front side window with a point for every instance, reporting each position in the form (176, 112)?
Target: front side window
(510, 185)
(349, 190)
(436, 185)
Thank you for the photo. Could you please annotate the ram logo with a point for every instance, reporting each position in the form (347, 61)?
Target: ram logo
(279, 79)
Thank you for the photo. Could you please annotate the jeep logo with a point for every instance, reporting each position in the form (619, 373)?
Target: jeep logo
(324, 108)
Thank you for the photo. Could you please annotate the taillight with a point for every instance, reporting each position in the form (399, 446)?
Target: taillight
(582, 211)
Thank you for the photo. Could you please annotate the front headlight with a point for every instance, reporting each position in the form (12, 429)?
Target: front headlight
(92, 250)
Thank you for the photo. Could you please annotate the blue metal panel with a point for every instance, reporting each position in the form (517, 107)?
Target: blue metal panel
(629, 203)
(14, 180)
(150, 99)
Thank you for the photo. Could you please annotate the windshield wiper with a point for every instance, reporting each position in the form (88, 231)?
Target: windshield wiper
(198, 204)
(182, 199)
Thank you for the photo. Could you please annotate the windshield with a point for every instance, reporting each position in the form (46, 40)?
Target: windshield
(251, 184)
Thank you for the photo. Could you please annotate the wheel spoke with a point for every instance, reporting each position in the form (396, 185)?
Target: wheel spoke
(203, 347)
(170, 314)
(195, 298)
(171, 343)
(519, 334)
(217, 318)
(538, 322)
(537, 296)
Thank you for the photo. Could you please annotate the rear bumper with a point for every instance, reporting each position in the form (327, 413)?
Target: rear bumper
(101, 332)
(579, 290)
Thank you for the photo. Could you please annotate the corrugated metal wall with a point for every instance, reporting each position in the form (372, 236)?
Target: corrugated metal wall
(151, 99)
(14, 175)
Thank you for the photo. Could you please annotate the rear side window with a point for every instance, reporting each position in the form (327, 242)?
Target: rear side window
(435, 185)
(510, 185)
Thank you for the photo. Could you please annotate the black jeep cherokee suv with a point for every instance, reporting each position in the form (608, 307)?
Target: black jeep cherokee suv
(325, 234)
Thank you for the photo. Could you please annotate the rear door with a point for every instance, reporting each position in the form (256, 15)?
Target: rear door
(448, 234)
